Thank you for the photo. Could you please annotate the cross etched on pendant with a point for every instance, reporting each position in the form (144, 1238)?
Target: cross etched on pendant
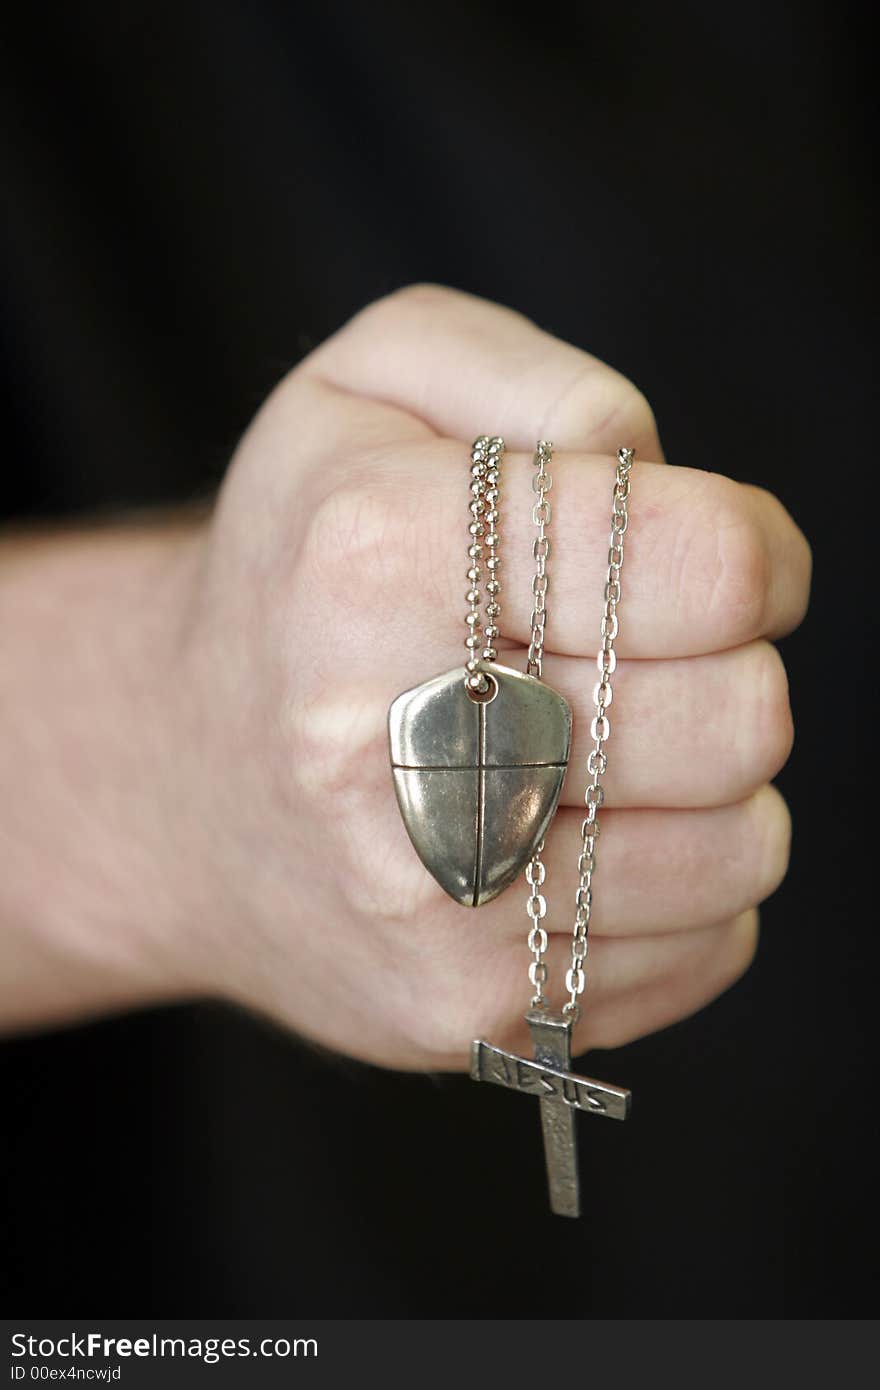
(549, 1077)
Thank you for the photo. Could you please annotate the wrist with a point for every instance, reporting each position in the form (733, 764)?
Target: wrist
(93, 903)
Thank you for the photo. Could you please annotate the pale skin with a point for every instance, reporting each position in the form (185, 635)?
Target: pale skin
(195, 797)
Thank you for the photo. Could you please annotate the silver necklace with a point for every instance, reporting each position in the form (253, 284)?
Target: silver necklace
(548, 1074)
(479, 757)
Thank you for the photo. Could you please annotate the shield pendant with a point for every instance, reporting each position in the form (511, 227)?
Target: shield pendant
(478, 779)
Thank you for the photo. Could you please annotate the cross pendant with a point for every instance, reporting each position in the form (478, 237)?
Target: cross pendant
(549, 1077)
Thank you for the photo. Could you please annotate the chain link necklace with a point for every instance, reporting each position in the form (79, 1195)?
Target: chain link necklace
(479, 758)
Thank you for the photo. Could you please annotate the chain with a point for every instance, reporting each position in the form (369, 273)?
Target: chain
(486, 455)
(600, 729)
(536, 903)
(541, 484)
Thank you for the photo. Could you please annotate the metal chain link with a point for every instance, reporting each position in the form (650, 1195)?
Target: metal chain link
(541, 484)
(600, 729)
(536, 907)
(486, 455)
(536, 903)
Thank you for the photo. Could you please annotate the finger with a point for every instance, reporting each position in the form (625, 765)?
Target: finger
(467, 366)
(634, 985)
(629, 1014)
(658, 871)
(306, 421)
(709, 564)
(698, 731)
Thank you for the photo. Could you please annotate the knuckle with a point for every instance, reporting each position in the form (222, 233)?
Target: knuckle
(429, 305)
(609, 401)
(389, 885)
(338, 753)
(772, 834)
(771, 717)
(637, 414)
(730, 950)
(763, 734)
(352, 542)
(422, 292)
(400, 303)
(337, 749)
(738, 568)
(369, 538)
(630, 412)
(339, 759)
(798, 556)
(725, 954)
(742, 947)
(475, 991)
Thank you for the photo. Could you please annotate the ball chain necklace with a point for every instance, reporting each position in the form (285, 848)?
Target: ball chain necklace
(479, 756)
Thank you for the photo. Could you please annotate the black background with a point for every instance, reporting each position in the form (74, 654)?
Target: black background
(197, 194)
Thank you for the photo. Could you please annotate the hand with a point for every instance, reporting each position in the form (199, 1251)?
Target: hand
(334, 578)
(243, 837)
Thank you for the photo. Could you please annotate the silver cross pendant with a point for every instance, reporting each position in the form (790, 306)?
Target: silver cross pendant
(548, 1076)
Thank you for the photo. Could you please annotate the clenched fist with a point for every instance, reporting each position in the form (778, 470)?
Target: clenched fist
(196, 794)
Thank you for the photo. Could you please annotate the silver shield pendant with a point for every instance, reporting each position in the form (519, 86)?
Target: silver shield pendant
(478, 777)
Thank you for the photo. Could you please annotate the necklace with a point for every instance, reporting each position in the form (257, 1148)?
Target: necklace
(548, 1075)
(479, 757)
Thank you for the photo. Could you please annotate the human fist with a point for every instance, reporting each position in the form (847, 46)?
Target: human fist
(332, 576)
